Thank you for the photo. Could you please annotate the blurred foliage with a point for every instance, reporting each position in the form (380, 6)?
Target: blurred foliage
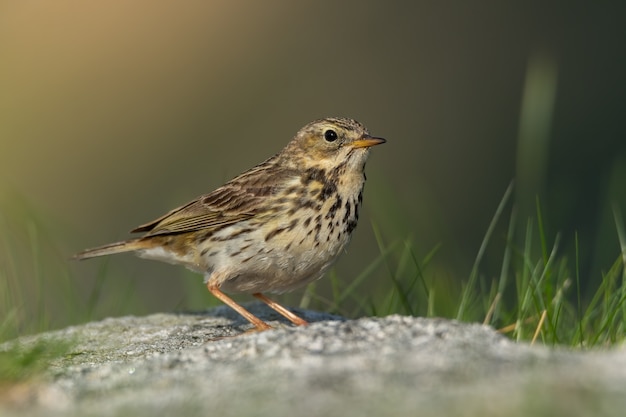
(19, 361)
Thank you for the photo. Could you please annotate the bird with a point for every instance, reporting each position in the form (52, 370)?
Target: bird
(276, 227)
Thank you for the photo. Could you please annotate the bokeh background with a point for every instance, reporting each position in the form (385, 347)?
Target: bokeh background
(112, 113)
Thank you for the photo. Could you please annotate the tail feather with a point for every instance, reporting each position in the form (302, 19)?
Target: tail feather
(111, 248)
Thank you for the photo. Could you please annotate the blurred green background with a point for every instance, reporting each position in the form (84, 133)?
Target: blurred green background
(112, 113)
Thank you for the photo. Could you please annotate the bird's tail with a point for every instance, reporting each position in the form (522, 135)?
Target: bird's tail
(112, 248)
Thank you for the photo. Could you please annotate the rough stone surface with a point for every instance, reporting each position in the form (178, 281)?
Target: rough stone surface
(201, 365)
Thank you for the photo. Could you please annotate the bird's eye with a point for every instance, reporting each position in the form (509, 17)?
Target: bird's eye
(330, 135)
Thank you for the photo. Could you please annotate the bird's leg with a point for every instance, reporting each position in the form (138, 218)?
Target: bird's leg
(281, 310)
(258, 323)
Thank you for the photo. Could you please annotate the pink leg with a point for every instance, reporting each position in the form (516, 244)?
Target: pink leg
(281, 310)
(258, 323)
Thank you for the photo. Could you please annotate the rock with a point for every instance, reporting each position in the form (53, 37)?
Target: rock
(201, 364)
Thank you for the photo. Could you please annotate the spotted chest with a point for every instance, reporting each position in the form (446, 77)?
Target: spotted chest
(306, 232)
(323, 208)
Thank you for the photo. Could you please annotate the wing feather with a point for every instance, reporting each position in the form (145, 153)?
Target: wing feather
(239, 199)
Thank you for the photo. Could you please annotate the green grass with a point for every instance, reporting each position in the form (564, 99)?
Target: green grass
(28, 258)
(22, 361)
(536, 297)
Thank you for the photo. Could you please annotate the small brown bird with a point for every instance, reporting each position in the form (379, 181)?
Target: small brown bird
(276, 227)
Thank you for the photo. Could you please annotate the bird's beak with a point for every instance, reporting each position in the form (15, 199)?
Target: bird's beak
(366, 141)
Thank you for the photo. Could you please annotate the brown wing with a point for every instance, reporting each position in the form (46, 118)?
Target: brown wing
(239, 199)
(193, 216)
